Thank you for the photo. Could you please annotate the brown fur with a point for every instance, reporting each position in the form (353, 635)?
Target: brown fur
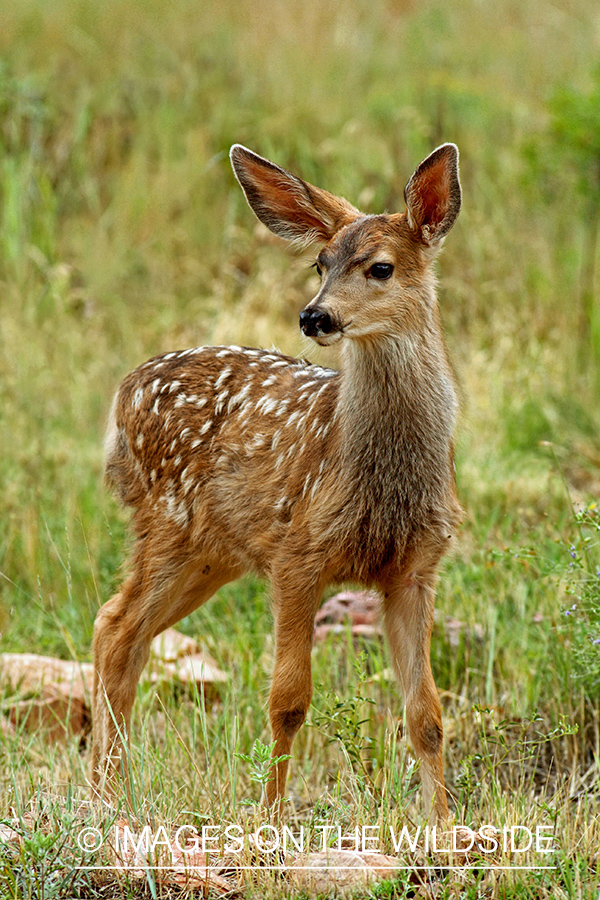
(236, 459)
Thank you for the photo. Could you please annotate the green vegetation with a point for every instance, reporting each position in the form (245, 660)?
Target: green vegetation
(124, 234)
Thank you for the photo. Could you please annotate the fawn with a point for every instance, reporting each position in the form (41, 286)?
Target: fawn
(237, 459)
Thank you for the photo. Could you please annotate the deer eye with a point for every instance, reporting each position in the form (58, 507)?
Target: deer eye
(381, 271)
(316, 266)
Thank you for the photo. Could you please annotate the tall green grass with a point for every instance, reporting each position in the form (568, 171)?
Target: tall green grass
(123, 234)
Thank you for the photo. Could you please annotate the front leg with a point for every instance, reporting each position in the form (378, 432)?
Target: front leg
(408, 617)
(295, 605)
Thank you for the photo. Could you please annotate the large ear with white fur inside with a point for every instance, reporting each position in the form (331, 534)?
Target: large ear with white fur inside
(288, 206)
(433, 195)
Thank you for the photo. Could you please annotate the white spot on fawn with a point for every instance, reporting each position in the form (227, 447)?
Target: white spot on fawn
(239, 398)
(244, 411)
(314, 397)
(220, 401)
(176, 511)
(315, 488)
(322, 431)
(307, 386)
(306, 484)
(320, 372)
(266, 404)
(137, 398)
(187, 482)
(222, 377)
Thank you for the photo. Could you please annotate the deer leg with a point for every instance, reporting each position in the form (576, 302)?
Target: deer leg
(149, 601)
(408, 617)
(291, 688)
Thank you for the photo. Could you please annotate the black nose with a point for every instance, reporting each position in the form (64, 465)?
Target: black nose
(315, 321)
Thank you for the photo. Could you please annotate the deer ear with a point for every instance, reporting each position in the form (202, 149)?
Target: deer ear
(288, 206)
(433, 195)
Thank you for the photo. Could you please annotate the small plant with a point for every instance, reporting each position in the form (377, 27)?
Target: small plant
(45, 865)
(262, 764)
(466, 782)
(343, 721)
(509, 755)
(581, 620)
(392, 888)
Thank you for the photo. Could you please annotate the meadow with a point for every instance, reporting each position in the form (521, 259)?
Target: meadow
(123, 234)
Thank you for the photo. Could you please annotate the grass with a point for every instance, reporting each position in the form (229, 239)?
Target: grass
(123, 234)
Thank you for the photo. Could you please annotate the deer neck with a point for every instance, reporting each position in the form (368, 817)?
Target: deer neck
(397, 411)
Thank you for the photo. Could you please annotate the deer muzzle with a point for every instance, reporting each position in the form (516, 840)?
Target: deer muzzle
(316, 322)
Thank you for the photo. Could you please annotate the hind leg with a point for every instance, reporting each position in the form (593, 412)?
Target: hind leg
(152, 599)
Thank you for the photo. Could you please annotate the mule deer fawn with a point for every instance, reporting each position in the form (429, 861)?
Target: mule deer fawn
(236, 459)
